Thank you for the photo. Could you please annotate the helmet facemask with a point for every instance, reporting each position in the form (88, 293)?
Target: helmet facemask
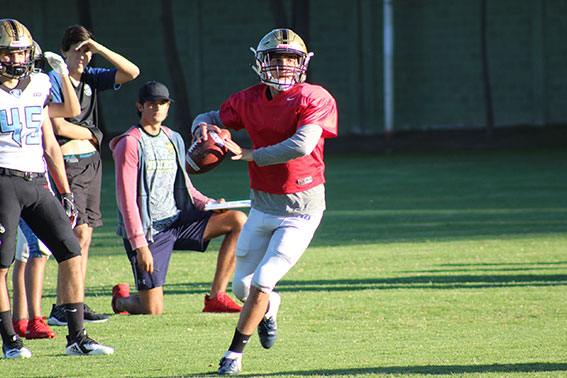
(15, 37)
(281, 77)
(19, 70)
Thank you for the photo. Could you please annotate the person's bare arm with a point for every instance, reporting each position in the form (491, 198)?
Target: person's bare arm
(54, 157)
(69, 130)
(126, 70)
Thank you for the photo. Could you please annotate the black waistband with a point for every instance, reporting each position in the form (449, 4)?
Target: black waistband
(78, 157)
(26, 175)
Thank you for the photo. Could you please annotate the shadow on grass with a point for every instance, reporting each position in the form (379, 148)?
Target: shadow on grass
(550, 263)
(438, 282)
(436, 219)
(479, 270)
(495, 267)
(435, 370)
(451, 370)
(426, 281)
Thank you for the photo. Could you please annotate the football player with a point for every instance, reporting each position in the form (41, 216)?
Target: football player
(287, 120)
(26, 138)
(31, 253)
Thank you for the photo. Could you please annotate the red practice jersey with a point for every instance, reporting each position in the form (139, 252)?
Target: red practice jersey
(269, 122)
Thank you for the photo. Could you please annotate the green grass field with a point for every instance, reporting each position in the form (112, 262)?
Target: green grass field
(424, 265)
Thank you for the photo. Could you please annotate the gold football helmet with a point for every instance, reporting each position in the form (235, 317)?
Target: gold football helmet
(15, 36)
(281, 77)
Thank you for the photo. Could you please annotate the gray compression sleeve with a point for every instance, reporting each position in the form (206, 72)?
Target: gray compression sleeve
(301, 143)
(211, 118)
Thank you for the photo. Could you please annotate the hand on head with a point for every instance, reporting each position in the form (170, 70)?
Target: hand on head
(92, 45)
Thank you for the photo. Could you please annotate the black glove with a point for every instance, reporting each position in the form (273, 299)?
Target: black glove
(68, 201)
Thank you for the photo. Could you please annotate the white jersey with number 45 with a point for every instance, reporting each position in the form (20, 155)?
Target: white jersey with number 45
(21, 119)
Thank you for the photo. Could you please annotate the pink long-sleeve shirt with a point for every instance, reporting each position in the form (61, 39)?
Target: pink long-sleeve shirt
(135, 217)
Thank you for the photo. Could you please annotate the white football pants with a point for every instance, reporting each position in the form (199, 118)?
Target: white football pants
(268, 247)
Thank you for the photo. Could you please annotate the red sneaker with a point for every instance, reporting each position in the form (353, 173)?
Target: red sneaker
(119, 291)
(38, 329)
(221, 303)
(20, 327)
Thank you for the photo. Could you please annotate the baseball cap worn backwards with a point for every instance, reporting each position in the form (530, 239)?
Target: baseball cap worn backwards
(153, 90)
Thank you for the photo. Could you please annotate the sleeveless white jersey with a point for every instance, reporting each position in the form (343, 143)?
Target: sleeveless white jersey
(21, 120)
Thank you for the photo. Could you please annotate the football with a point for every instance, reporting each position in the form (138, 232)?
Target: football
(202, 156)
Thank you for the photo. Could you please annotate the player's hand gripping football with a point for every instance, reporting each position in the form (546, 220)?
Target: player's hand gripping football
(202, 131)
(57, 63)
(68, 201)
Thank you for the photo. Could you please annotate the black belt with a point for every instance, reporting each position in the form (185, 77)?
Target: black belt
(25, 175)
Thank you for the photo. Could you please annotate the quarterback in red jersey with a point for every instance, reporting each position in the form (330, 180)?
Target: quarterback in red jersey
(287, 120)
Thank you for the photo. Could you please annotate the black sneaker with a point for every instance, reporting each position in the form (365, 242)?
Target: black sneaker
(84, 345)
(91, 316)
(268, 327)
(268, 332)
(57, 316)
(15, 349)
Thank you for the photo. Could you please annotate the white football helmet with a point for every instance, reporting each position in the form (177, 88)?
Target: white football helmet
(281, 41)
(15, 36)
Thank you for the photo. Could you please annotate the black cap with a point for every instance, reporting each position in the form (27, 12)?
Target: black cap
(153, 90)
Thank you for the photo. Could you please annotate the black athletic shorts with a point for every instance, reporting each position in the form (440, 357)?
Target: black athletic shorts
(84, 173)
(33, 201)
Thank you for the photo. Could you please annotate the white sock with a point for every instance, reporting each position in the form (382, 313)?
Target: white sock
(274, 305)
(233, 355)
